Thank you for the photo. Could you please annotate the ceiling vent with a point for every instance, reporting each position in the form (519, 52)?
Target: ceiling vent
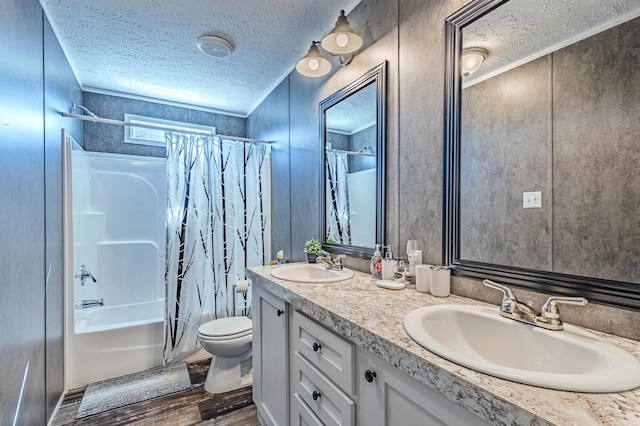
(215, 46)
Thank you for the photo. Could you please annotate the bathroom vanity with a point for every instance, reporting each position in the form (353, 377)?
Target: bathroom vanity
(337, 354)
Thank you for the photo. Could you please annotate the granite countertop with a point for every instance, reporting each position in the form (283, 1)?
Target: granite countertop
(372, 318)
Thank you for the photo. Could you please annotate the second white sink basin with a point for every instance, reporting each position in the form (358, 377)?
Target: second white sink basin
(310, 272)
(479, 338)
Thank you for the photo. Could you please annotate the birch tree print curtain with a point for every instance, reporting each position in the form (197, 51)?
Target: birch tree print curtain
(216, 225)
(337, 201)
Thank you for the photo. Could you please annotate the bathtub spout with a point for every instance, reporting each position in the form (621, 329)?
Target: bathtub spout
(89, 303)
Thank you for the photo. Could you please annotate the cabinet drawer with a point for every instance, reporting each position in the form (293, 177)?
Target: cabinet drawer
(331, 354)
(301, 414)
(330, 405)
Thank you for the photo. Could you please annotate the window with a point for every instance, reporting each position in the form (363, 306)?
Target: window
(155, 137)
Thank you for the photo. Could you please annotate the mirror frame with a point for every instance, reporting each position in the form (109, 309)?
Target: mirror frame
(614, 293)
(377, 76)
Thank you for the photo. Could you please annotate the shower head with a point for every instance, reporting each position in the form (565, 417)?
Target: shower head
(85, 110)
(366, 148)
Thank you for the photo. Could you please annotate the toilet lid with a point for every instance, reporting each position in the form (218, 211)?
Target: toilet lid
(221, 327)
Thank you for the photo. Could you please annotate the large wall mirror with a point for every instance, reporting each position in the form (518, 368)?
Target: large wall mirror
(543, 146)
(352, 141)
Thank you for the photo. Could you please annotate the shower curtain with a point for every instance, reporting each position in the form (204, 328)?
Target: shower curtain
(216, 222)
(337, 201)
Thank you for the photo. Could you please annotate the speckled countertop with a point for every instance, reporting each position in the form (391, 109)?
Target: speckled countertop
(372, 318)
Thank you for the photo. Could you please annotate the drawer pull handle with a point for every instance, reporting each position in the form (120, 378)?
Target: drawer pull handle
(369, 375)
(280, 312)
(316, 348)
(316, 395)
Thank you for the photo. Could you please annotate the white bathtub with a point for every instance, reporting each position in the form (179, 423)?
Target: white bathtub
(114, 224)
(123, 316)
(113, 341)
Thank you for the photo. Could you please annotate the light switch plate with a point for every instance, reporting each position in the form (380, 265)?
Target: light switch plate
(532, 200)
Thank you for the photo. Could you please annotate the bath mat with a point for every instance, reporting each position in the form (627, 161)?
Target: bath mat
(126, 390)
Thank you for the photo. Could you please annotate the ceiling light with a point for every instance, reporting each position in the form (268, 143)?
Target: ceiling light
(215, 46)
(313, 65)
(472, 59)
(342, 40)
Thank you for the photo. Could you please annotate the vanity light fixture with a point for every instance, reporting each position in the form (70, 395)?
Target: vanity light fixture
(472, 59)
(342, 41)
(313, 65)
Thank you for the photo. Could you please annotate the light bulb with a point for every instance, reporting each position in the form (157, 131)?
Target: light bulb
(313, 64)
(342, 40)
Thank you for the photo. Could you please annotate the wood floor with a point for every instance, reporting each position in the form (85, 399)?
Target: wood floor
(191, 407)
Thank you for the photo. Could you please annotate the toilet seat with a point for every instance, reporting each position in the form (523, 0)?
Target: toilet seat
(226, 328)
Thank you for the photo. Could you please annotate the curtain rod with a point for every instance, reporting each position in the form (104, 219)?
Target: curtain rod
(157, 127)
(350, 152)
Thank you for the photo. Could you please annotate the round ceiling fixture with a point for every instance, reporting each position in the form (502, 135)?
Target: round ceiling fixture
(215, 46)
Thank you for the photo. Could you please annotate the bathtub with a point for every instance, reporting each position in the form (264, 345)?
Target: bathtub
(114, 224)
(113, 341)
(123, 316)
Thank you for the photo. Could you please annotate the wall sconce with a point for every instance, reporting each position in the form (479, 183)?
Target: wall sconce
(472, 59)
(313, 65)
(342, 41)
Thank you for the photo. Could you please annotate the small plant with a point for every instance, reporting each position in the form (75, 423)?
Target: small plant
(312, 246)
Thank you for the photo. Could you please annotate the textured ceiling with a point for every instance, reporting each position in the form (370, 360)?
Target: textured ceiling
(149, 47)
(355, 113)
(523, 30)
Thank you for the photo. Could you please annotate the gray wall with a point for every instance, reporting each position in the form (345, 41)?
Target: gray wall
(109, 138)
(359, 140)
(376, 21)
(409, 35)
(355, 142)
(270, 121)
(504, 152)
(565, 124)
(35, 81)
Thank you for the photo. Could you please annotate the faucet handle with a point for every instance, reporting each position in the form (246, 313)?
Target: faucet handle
(550, 307)
(508, 294)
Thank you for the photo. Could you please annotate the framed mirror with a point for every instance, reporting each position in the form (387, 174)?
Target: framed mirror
(542, 152)
(352, 137)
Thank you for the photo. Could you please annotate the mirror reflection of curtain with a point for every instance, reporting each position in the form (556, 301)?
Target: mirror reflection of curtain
(337, 196)
(216, 222)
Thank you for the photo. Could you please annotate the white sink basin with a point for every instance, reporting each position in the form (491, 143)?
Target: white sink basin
(310, 272)
(479, 338)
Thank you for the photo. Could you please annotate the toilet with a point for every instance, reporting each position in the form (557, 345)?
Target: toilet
(228, 340)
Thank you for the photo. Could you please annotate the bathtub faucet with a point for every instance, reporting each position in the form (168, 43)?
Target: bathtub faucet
(90, 303)
(84, 274)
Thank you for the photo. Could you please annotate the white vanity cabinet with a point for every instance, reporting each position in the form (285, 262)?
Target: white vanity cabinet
(322, 375)
(270, 358)
(331, 381)
(387, 396)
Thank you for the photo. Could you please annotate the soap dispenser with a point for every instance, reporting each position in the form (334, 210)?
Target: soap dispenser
(376, 262)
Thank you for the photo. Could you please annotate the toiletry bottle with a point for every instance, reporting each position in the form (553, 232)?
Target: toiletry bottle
(376, 263)
(389, 265)
(280, 256)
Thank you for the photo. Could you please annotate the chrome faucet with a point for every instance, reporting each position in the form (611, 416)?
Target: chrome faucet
(335, 264)
(84, 274)
(548, 317)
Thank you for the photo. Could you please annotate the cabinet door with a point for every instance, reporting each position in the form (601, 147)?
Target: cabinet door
(390, 397)
(270, 349)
